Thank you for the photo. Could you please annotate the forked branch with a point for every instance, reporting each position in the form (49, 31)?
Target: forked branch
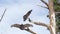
(43, 6)
(44, 3)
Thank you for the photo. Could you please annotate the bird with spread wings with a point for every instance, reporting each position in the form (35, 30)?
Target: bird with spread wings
(24, 27)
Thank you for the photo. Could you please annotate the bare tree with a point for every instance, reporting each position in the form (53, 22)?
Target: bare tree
(52, 25)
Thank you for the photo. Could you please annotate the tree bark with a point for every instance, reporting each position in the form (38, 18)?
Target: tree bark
(52, 18)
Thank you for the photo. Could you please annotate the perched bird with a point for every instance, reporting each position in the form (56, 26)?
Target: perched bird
(24, 27)
(27, 15)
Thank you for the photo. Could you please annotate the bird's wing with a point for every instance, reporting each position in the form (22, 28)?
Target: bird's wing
(21, 27)
(15, 25)
(26, 15)
(28, 25)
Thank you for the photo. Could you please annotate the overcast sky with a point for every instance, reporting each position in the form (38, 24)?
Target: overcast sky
(14, 15)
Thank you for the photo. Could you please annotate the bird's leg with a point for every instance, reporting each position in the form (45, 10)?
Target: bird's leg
(29, 20)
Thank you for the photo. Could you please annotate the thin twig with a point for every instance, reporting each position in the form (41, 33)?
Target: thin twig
(2, 15)
(43, 6)
(44, 2)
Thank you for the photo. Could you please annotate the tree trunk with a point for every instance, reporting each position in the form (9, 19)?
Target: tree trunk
(52, 18)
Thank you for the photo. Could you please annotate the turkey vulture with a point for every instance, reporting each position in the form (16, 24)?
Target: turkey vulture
(26, 15)
(24, 27)
(2, 15)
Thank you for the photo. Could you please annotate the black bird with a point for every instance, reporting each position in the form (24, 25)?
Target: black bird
(27, 15)
(24, 27)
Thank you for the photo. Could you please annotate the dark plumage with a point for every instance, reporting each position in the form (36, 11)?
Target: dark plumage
(29, 20)
(23, 27)
(27, 15)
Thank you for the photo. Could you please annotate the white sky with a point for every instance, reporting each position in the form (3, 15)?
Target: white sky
(14, 14)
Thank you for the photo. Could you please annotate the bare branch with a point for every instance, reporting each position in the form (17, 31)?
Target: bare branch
(2, 15)
(43, 6)
(41, 24)
(44, 3)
